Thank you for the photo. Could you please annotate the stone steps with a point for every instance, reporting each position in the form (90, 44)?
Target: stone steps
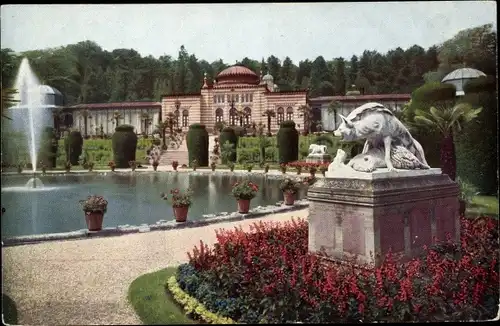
(174, 155)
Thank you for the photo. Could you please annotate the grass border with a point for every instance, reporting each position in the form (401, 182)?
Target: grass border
(152, 303)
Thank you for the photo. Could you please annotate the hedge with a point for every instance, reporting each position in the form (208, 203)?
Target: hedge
(228, 134)
(124, 142)
(288, 142)
(73, 145)
(197, 144)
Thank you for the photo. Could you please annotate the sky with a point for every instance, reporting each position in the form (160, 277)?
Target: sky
(234, 31)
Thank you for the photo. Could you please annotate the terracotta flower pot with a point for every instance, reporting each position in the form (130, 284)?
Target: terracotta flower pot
(112, 169)
(94, 220)
(462, 206)
(155, 167)
(181, 213)
(289, 198)
(243, 206)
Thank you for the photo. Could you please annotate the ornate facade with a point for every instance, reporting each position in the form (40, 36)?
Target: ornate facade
(238, 97)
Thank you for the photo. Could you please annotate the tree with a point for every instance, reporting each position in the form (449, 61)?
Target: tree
(307, 113)
(86, 116)
(448, 121)
(287, 75)
(273, 68)
(269, 114)
(7, 100)
(117, 116)
(339, 77)
(319, 75)
(167, 124)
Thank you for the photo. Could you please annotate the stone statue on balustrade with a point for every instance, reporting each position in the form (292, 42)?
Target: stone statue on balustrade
(318, 154)
(388, 143)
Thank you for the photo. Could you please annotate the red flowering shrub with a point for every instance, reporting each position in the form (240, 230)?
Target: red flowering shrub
(267, 275)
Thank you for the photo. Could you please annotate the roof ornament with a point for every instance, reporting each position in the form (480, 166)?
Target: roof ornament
(205, 80)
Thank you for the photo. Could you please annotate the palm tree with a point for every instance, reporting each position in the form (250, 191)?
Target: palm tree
(86, 115)
(146, 118)
(117, 116)
(8, 100)
(169, 124)
(448, 121)
(307, 113)
(269, 114)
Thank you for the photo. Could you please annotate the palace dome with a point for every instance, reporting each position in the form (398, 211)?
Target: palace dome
(237, 75)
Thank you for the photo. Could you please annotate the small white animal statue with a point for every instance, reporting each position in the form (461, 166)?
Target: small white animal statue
(381, 130)
(317, 149)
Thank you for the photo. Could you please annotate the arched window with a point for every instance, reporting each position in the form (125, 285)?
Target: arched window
(233, 115)
(280, 116)
(219, 115)
(176, 119)
(185, 118)
(289, 113)
(248, 115)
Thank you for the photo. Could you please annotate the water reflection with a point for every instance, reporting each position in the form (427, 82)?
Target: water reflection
(133, 199)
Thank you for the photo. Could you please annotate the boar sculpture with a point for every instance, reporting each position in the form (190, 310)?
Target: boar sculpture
(386, 139)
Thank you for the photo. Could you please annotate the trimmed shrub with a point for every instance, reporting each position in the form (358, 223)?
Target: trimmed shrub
(197, 144)
(73, 145)
(124, 142)
(239, 131)
(288, 140)
(228, 134)
(476, 145)
(47, 153)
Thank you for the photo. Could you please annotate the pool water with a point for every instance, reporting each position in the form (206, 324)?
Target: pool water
(133, 199)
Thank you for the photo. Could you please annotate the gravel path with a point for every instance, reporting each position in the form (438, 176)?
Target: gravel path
(85, 282)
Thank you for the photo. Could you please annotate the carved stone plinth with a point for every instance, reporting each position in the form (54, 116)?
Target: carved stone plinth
(365, 216)
(318, 158)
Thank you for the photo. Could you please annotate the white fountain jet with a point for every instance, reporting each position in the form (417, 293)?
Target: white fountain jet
(30, 115)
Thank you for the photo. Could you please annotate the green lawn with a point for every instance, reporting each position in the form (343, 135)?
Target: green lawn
(152, 302)
(9, 310)
(484, 205)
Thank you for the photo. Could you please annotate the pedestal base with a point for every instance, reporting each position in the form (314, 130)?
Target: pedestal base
(363, 217)
(318, 158)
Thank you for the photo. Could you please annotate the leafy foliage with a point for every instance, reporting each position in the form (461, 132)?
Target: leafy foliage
(268, 275)
(197, 143)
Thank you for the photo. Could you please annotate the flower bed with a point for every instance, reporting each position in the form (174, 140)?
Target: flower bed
(305, 166)
(267, 275)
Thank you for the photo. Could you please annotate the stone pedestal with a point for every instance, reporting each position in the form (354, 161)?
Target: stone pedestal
(363, 215)
(318, 158)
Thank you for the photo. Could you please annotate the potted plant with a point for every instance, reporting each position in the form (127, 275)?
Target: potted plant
(180, 203)
(231, 166)
(298, 168)
(112, 165)
(309, 180)
(67, 166)
(90, 166)
(213, 165)
(244, 191)
(312, 170)
(248, 167)
(289, 188)
(175, 164)
(323, 168)
(266, 168)
(94, 207)
(20, 167)
(133, 165)
(194, 164)
(155, 164)
(467, 192)
(283, 168)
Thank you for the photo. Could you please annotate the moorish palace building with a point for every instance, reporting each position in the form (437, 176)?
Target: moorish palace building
(237, 96)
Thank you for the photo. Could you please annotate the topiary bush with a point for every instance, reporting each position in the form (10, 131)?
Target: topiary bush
(73, 145)
(228, 134)
(124, 143)
(288, 142)
(197, 144)
(476, 145)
